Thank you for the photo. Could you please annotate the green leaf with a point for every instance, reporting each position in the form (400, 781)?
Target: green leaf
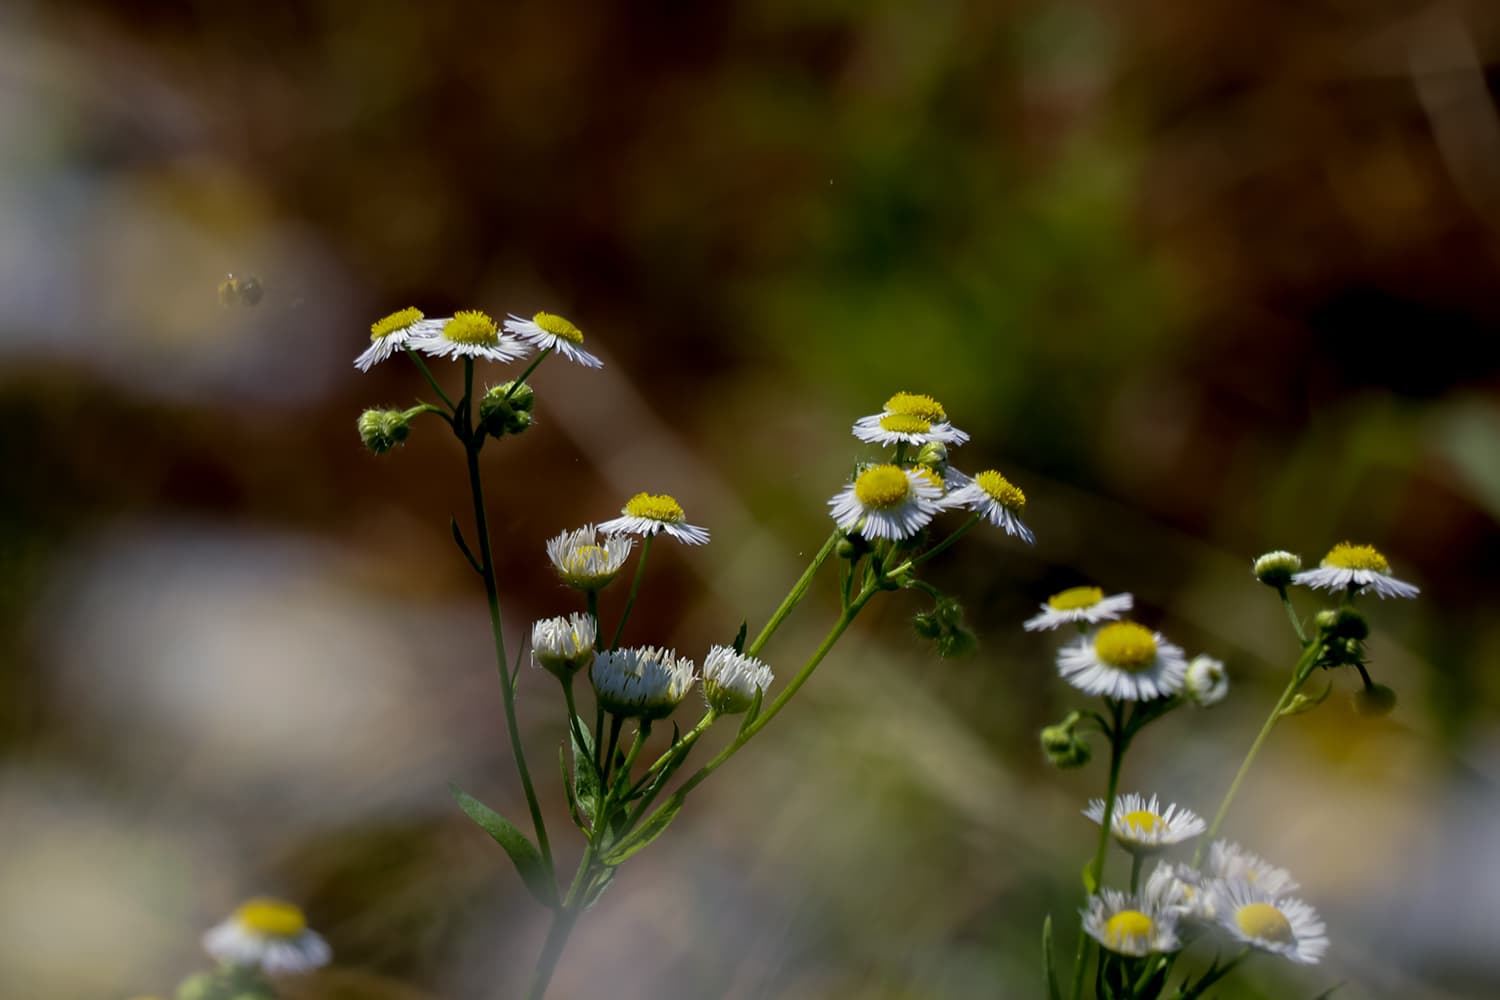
(739, 640)
(585, 778)
(567, 776)
(644, 834)
(523, 853)
(463, 546)
(1052, 988)
(1090, 880)
(602, 881)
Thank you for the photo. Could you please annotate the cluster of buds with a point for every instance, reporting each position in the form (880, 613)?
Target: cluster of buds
(506, 409)
(944, 626)
(382, 430)
(1063, 746)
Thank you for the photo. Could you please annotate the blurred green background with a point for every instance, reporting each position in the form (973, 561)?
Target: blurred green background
(1204, 278)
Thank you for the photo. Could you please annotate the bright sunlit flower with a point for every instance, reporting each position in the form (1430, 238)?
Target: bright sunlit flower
(1282, 926)
(887, 501)
(1126, 661)
(563, 646)
(470, 334)
(392, 333)
(641, 682)
(1079, 604)
(906, 428)
(1349, 565)
(732, 680)
(550, 332)
(270, 935)
(1206, 681)
(648, 513)
(584, 560)
(1232, 863)
(1127, 925)
(1143, 826)
(999, 500)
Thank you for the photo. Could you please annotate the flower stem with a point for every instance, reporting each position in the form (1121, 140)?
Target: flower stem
(1291, 614)
(422, 367)
(524, 375)
(635, 587)
(1135, 873)
(1117, 740)
(795, 595)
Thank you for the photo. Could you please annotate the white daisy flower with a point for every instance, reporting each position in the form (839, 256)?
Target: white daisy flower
(1230, 862)
(999, 500)
(1127, 925)
(1142, 826)
(393, 333)
(470, 334)
(550, 332)
(269, 935)
(563, 646)
(1079, 604)
(905, 428)
(731, 680)
(1348, 565)
(923, 407)
(1206, 681)
(641, 682)
(1168, 891)
(1124, 660)
(1286, 927)
(648, 513)
(887, 501)
(585, 561)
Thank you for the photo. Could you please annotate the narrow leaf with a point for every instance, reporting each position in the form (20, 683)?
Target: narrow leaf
(585, 779)
(739, 640)
(1052, 988)
(463, 546)
(562, 764)
(645, 834)
(523, 853)
(1090, 880)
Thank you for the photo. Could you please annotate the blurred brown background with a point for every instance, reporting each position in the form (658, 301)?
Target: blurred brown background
(1205, 278)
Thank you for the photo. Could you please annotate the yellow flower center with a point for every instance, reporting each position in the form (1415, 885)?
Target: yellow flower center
(579, 560)
(1264, 922)
(657, 507)
(1002, 490)
(271, 918)
(1126, 646)
(1143, 820)
(882, 487)
(1345, 555)
(471, 327)
(910, 404)
(930, 477)
(1075, 599)
(1125, 928)
(905, 423)
(398, 320)
(558, 327)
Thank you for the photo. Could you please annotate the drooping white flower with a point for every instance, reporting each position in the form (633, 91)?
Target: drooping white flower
(998, 500)
(649, 513)
(1360, 566)
(269, 935)
(550, 332)
(1126, 661)
(1079, 604)
(392, 333)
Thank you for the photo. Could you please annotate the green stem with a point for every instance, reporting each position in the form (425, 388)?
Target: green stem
(940, 547)
(1135, 873)
(1291, 614)
(635, 587)
(422, 367)
(615, 724)
(575, 724)
(524, 375)
(1117, 741)
(563, 919)
(795, 595)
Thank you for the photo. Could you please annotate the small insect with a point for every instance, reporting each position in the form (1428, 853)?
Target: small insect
(245, 290)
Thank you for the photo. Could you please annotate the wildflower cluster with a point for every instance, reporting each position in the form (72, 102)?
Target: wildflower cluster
(1232, 896)
(262, 941)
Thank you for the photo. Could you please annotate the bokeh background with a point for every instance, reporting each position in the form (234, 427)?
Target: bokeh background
(1206, 278)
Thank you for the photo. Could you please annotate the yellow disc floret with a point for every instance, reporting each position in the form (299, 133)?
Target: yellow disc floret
(911, 404)
(399, 320)
(1264, 922)
(1346, 555)
(1126, 646)
(558, 327)
(271, 918)
(1142, 821)
(472, 327)
(882, 487)
(1125, 928)
(1002, 490)
(656, 507)
(905, 423)
(1075, 599)
(583, 559)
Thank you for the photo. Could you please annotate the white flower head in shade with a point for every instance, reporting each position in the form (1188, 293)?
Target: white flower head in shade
(1167, 890)
(1128, 925)
(1230, 862)
(999, 500)
(470, 334)
(1278, 924)
(641, 682)
(550, 332)
(563, 646)
(1358, 566)
(585, 561)
(732, 680)
(1276, 569)
(1142, 826)
(1206, 681)
(1124, 660)
(887, 501)
(269, 935)
(1079, 604)
(393, 333)
(648, 513)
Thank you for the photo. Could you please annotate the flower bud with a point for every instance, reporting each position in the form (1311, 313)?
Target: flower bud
(1343, 623)
(563, 646)
(852, 547)
(1275, 569)
(1063, 746)
(1207, 682)
(957, 641)
(934, 455)
(731, 681)
(506, 409)
(926, 625)
(382, 430)
(1374, 701)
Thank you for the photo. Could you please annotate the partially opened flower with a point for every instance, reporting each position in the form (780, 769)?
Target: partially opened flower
(1126, 661)
(1231, 862)
(1145, 826)
(732, 680)
(550, 332)
(998, 500)
(1359, 566)
(887, 501)
(1286, 927)
(649, 513)
(392, 333)
(1079, 604)
(585, 561)
(1206, 682)
(471, 334)
(643, 682)
(563, 646)
(1129, 925)
(270, 935)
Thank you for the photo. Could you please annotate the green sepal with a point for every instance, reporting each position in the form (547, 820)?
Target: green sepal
(573, 809)
(601, 881)
(739, 639)
(753, 712)
(523, 853)
(643, 835)
(1052, 987)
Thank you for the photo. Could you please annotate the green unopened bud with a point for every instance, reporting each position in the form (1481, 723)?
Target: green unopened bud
(522, 397)
(1276, 569)
(934, 455)
(926, 625)
(382, 430)
(1300, 705)
(1343, 623)
(852, 547)
(955, 642)
(949, 612)
(506, 409)
(1064, 748)
(1340, 652)
(1374, 701)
